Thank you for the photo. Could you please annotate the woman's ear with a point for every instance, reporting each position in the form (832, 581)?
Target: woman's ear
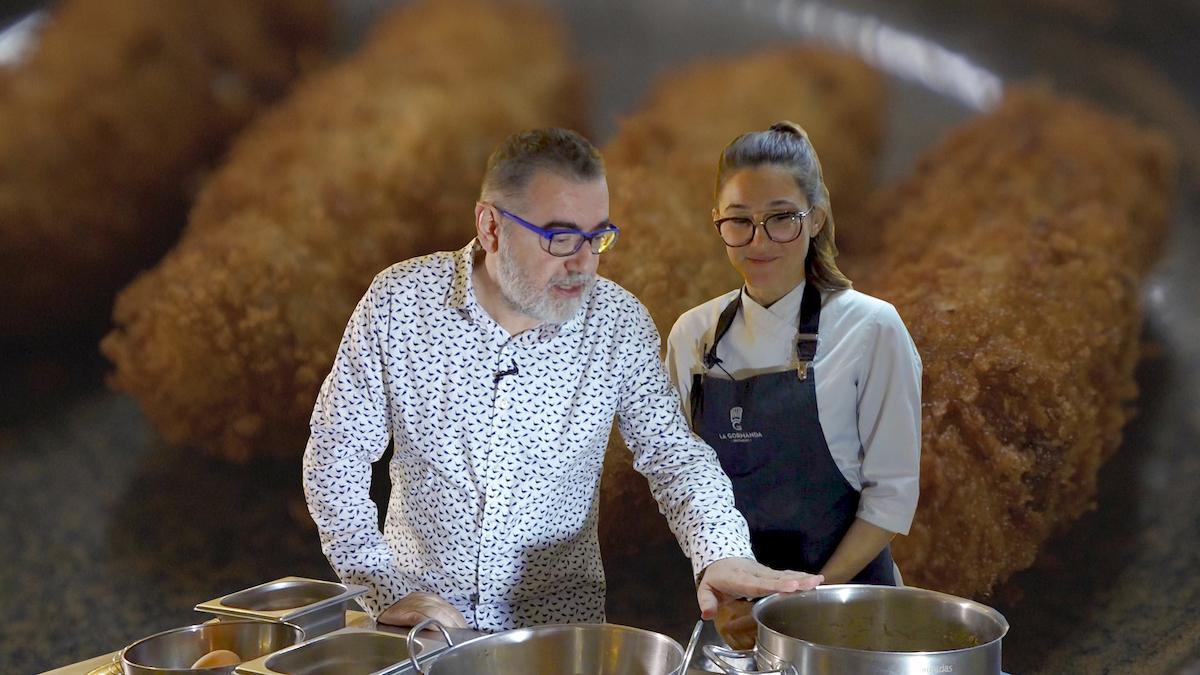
(818, 222)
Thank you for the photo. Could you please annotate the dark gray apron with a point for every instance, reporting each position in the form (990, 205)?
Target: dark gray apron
(767, 434)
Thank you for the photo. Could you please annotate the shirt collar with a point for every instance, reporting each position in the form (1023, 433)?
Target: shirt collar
(461, 295)
(783, 314)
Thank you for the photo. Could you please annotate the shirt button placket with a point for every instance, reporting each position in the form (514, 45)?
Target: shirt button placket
(493, 504)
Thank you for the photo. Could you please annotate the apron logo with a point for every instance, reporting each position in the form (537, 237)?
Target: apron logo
(737, 435)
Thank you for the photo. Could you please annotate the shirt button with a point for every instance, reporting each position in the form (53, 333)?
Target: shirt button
(502, 403)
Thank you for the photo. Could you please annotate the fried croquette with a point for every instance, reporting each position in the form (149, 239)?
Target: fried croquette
(225, 343)
(106, 127)
(1015, 254)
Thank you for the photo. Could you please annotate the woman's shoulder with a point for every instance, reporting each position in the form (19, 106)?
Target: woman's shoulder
(856, 305)
(700, 320)
(851, 310)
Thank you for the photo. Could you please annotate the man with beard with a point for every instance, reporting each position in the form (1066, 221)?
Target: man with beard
(496, 372)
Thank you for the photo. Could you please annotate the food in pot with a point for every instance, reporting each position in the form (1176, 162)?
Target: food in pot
(226, 342)
(217, 658)
(105, 126)
(867, 634)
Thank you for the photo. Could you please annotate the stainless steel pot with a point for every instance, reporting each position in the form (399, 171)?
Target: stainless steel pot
(174, 651)
(572, 649)
(871, 630)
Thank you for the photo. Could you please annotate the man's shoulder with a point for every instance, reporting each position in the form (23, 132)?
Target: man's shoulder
(613, 310)
(700, 320)
(419, 275)
(607, 292)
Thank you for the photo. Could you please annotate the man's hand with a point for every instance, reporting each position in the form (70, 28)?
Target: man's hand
(735, 623)
(414, 608)
(731, 578)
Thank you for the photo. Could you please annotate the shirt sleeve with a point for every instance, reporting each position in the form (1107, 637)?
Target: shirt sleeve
(681, 356)
(683, 472)
(889, 424)
(350, 431)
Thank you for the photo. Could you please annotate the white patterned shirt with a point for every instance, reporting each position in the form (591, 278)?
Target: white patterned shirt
(495, 479)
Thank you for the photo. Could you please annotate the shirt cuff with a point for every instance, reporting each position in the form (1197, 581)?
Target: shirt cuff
(739, 549)
(890, 514)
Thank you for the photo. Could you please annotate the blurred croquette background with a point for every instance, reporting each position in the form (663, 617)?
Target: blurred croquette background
(194, 194)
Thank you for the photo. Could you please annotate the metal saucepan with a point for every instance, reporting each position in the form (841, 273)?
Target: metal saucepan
(174, 651)
(569, 649)
(871, 630)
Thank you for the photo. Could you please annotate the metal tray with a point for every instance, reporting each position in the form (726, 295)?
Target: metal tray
(316, 606)
(345, 652)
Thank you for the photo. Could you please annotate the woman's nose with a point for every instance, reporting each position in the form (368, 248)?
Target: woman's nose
(760, 238)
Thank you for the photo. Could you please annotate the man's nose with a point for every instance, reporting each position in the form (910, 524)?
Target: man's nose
(582, 260)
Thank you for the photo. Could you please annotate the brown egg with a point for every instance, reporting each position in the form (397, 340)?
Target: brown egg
(217, 658)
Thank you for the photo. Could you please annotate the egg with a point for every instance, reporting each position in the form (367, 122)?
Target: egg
(217, 659)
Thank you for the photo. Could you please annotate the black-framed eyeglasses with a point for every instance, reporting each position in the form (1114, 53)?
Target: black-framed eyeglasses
(562, 242)
(780, 227)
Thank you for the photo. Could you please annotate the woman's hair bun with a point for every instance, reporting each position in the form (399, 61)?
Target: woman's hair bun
(787, 127)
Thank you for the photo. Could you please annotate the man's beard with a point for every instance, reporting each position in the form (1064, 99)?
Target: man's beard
(526, 297)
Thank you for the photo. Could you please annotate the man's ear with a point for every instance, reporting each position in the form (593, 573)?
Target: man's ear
(487, 227)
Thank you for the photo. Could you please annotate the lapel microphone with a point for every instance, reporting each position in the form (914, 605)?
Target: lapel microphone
(710, 357)
(500, 374)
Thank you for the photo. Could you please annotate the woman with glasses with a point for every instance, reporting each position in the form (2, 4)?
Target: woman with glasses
(809, 391)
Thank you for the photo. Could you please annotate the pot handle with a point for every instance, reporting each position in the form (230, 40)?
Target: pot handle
(718, 654)
(414, 646)
(691, 647)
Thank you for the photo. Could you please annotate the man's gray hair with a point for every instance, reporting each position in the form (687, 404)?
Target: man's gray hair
(514, 162)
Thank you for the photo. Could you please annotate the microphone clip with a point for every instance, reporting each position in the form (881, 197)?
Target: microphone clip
(501, 374)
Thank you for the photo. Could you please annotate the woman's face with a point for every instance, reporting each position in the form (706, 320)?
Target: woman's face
(769, 268)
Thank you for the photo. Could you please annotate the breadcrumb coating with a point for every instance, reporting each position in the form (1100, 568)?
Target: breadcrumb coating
(1015, 253)
(226, 342)
(107, 127)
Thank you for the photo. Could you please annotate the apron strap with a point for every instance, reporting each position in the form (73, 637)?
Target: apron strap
(806, 340)
(810, 321)
(723, 324)
(696, 398)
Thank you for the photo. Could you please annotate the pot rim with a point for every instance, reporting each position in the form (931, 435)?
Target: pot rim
(547, 627)
(519, 635)
(775, 598)
(199, 626)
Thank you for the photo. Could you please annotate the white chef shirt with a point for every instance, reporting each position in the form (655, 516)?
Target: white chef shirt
(495, 480)
(868, 383)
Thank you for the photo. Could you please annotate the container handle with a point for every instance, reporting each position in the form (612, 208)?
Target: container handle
(691, 648)
(718, 654)
(414, 646)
